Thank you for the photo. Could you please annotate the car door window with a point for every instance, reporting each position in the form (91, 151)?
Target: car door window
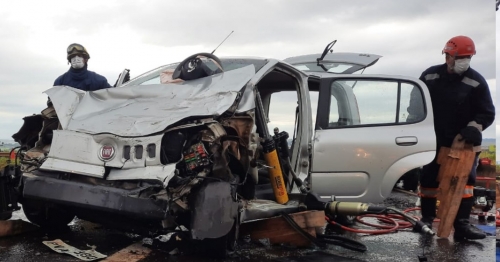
(282, 110)
(374, 102)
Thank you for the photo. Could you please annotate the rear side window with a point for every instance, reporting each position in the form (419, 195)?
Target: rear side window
(374, 102)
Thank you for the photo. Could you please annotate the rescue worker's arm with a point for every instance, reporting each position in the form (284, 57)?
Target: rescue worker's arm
(483, 113)
(484, 110)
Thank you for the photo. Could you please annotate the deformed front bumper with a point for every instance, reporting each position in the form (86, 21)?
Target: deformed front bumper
(93, 197)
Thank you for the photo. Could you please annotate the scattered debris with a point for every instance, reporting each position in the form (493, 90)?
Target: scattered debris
(265, 242)
(134, 252)
(60, 247)
(15, 227)
(277, 231)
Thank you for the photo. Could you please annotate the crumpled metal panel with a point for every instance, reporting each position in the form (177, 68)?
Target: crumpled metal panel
(85, 160)
(262, 209)
(162, 173)
(144, 110)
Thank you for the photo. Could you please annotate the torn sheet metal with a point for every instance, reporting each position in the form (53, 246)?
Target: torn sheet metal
(262, 209)
(144, 110)
(86, 255)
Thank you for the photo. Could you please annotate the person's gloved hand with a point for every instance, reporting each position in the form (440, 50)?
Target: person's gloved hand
(472, 135)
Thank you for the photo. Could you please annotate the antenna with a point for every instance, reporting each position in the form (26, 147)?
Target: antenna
(222, 41)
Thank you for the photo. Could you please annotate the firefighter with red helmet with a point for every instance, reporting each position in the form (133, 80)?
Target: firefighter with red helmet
(462, 104)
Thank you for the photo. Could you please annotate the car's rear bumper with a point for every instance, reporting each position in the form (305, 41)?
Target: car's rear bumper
(92, 197)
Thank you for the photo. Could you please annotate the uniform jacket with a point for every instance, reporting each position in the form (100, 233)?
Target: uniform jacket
(82, 79)
(458, 101)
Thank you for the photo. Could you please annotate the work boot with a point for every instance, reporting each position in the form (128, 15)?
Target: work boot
(462, 225)
(428, 210)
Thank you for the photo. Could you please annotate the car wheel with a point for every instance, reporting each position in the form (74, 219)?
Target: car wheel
(222, 247)
(45, 215)
(411, 179)
(5, 216)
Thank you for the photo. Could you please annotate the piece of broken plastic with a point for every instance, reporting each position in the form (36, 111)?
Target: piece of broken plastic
(60, 247)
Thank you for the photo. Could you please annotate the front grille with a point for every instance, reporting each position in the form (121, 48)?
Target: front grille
(126, 152)
(138, 151)
(151, 149)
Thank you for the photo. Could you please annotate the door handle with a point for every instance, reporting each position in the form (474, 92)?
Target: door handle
(406, 140)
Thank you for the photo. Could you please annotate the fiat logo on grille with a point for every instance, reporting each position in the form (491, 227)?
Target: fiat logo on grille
(107, 152)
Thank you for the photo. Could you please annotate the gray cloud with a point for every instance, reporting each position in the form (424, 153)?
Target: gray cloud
(408, 34)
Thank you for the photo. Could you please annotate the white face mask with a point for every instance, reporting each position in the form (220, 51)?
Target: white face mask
(77, 62)
(461, 65)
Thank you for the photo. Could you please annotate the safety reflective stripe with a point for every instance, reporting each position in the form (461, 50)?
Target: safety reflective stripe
(468, 191)
(476, 125)
(428, 192)
(431, 76)
(470, 82)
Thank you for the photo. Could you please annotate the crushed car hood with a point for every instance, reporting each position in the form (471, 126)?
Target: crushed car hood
(143, 110)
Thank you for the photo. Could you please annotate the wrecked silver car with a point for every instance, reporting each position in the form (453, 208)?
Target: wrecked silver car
(189, 144)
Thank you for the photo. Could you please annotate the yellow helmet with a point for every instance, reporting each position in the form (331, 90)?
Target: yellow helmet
(75, 49)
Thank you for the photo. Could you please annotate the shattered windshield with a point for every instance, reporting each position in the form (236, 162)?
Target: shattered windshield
(153, 77)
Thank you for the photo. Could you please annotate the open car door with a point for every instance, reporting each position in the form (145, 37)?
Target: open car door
(365, 138)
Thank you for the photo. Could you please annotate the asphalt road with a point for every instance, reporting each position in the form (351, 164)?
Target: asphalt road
(119, 246)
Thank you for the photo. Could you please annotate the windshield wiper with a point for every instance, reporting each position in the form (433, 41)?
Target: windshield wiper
(327, 48)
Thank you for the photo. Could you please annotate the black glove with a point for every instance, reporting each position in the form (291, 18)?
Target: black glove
(472, 135)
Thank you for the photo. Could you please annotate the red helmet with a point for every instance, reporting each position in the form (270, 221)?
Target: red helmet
(460, 46)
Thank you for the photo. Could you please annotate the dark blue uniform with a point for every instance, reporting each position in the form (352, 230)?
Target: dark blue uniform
(458, 101)
(82, 79)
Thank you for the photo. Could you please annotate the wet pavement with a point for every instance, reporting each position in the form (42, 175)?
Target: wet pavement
(404, 245)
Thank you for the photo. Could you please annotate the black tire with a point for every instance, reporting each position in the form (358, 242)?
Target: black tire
(411, 179)
(46, 216)
(5, 216)
(222, 247)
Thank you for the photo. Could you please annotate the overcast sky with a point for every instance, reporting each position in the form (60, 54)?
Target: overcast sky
(141, 35)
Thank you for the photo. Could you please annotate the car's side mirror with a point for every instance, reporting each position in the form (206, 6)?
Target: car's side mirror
(123, 78)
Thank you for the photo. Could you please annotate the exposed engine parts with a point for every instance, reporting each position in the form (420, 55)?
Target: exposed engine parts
(172, 144)
(196, 158)
(210, 152)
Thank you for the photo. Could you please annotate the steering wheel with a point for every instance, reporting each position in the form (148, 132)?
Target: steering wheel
(193, 63)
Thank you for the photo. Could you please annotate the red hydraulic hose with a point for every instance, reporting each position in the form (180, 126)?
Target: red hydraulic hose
(393, 223)
(387, 229)
(498, 219)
